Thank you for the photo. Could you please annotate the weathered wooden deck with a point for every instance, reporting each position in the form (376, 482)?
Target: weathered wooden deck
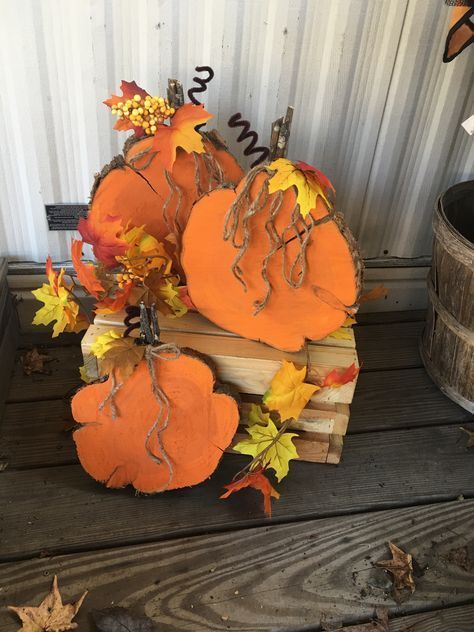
(194, 562)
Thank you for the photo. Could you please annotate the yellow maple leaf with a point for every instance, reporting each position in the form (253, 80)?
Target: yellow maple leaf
(116, 353)
(85, 377)
(59, 304)
(256, 415)
(169, 293)
(278, 454)
(343, 332)
(180, 132)
(144, 253)
(288, 393)
(309, 183)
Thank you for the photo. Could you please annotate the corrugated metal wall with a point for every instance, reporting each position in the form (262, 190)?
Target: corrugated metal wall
(375, 107)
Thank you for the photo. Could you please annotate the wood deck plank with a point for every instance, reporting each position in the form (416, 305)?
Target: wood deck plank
(291, 576)
(62, 508)
(36, 433)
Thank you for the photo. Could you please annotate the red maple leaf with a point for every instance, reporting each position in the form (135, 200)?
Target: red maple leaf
(129, 90)
(85, 271)
(258, 481)
(318, 176)
(105, 238)
(339, 377)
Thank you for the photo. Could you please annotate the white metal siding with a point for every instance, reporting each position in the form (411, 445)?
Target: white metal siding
(375, 107)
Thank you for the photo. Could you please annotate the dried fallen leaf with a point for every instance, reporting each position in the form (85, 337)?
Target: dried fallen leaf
(470, 437)
(401, 568)
(288, 393)
(263, 436)
(33, 361)
(117, 618)
(51, 615)
(257, 480)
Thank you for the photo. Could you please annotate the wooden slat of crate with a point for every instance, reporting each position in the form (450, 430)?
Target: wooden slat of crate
(311, 446)
(323, 418)
(192, 322)
(250, 366)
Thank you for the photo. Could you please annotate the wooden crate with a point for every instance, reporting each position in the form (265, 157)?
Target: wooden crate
(250, 366)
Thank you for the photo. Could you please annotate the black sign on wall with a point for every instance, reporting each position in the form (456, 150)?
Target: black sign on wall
(64, 216)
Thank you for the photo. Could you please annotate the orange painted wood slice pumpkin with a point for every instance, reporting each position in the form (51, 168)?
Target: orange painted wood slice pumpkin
(255, 267)
(136, 188)
(131, 449)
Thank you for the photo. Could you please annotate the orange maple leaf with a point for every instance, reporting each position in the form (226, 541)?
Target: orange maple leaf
(377, 292)
(85, 271)
(338, 377)
(129, 90)
(105, 237)
(258, 481)
(180, 132)
(113, 304)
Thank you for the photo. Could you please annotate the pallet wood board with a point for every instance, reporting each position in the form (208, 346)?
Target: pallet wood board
(292, 576)
(62, 508)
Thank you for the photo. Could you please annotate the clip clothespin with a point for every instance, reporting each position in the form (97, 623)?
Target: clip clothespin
(149, 328)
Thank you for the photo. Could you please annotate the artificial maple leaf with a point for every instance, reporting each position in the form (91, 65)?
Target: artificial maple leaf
(341, 334)
(470, 437)
(278, 450)
(164, 294)
(117, 618)
(144, 254)
(186, 299)
(339, 377)
(288, 394)
(85, 377)
(377, 292)
(116, 353)
(308, 181)
(51, 615)
(401, 568)
(105, 236)
(258, 481)
(129, 90)
(85, 271)
(180, 132)
(59, 304)
(33, 361)
(257, 416)
(112, 304)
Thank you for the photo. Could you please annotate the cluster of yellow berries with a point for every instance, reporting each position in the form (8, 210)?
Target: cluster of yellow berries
(126, 278)
(146, 112)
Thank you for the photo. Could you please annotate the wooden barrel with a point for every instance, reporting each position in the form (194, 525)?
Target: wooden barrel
(447, 346)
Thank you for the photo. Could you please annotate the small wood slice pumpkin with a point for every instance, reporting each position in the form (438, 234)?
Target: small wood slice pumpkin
(130, 449)
(136, 188)
(262, 282)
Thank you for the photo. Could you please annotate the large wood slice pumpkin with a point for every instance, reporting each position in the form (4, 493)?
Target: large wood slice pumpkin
(137, 188)
(256, 283)
(130, 448)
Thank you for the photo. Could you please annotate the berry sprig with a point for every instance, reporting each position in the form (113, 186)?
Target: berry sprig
(146, 112)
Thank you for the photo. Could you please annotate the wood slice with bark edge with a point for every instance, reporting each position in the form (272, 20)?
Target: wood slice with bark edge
(202, 423)
(332, 280)
(136, 187)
